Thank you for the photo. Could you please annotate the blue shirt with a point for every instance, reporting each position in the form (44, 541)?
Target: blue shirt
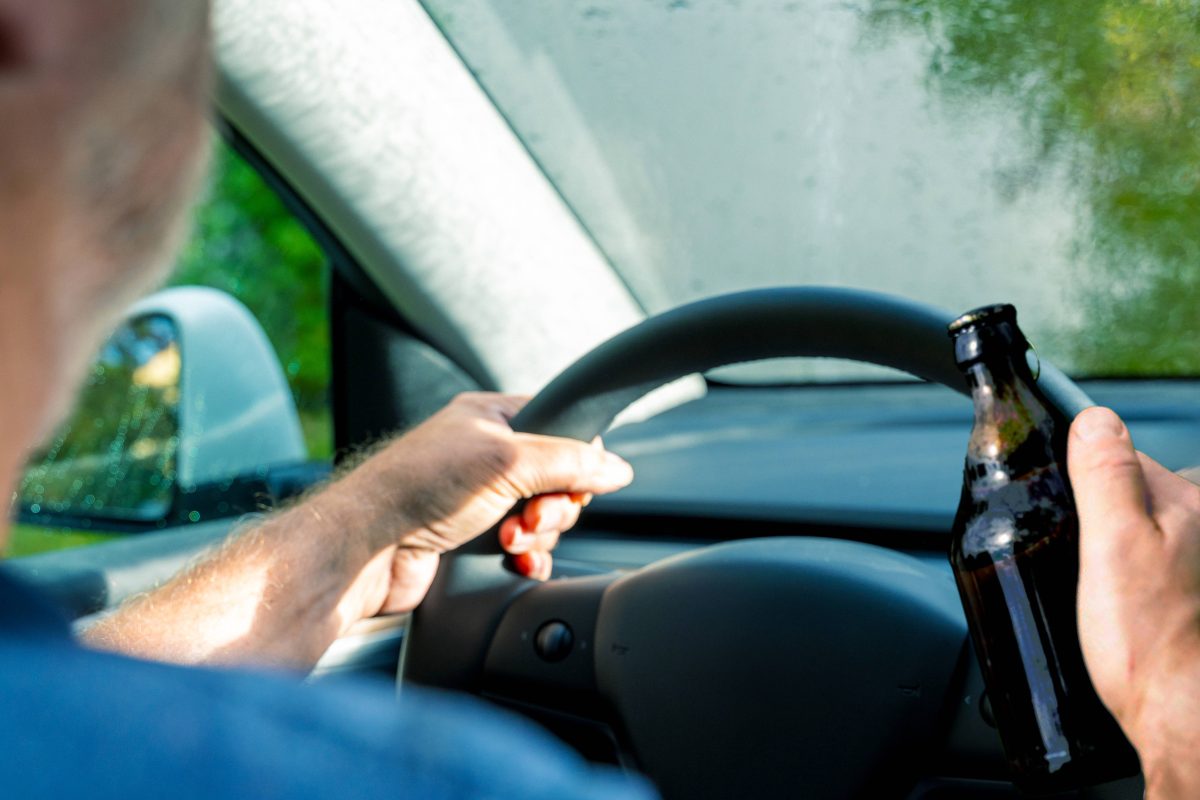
(80, 723)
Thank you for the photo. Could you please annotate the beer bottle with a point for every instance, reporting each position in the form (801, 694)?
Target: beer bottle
(1015, 555)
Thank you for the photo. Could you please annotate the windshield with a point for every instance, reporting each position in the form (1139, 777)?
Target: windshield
(952, 151)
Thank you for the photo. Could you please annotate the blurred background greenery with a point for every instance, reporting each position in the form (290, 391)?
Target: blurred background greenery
(245, 242)
(1110, 92)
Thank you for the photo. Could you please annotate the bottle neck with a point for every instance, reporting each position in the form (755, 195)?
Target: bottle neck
(1007, 409)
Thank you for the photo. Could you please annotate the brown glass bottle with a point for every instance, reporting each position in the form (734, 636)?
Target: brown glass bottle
(1015, 555)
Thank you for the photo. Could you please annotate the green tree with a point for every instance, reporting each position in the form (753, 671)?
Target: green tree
(1111, 89)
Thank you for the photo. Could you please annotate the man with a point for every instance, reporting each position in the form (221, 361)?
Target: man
(101, 126)
(102, 130)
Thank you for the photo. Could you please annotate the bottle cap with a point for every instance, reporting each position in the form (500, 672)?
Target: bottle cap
(983, 315)
(988, 328)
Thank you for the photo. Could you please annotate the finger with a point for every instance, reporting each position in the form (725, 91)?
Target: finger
(550, 512)
(545, 566)
(585, 498)
(1106, 475)
(536, 564)
(1115, 533)
(510, 534)
(550, 464)
(515, 539)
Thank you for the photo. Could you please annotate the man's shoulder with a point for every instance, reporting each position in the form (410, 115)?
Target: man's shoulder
(116, 727)
(78, 720)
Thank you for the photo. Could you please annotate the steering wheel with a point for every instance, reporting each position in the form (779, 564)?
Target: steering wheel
(756, 668)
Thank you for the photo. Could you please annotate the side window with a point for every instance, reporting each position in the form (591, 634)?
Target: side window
(247, 244)
(206, 399)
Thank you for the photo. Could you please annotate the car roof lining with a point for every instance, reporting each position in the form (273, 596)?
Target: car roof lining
(422, 182)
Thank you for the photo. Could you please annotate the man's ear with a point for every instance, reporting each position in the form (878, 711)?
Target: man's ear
(34, 33)
(27, 30)
(13, 52)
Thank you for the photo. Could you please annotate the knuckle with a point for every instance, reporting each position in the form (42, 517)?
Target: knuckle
(1112, 461)
(1191, 499)
(469, 399)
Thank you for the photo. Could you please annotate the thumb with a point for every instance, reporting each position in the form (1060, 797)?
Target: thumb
(550, 464)
(1110, 488)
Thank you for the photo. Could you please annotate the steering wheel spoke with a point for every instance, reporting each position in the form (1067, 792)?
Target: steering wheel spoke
(543, 652)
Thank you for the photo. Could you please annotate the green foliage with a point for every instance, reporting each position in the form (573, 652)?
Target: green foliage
(27, 540)
(248, 244)
(1110, 90)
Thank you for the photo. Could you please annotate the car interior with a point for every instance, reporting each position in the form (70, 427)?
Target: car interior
(768, 610)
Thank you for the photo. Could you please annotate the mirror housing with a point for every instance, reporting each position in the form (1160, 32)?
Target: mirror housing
(186, 415)
(236, 412)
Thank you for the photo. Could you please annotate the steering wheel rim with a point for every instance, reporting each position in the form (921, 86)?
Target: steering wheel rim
(745, 326)
(449, 636)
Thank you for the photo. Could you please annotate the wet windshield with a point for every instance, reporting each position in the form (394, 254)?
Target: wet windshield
(952, 151)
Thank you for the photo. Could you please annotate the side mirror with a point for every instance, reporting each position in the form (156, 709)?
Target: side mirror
(186, 415)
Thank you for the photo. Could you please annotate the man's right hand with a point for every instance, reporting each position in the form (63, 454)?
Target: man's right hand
(1139, 597)
(280, 592)
(457, 475)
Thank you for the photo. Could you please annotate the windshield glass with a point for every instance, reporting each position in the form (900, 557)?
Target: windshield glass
(952, 151)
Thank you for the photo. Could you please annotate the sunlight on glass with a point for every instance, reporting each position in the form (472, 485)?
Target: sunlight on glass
(952, 151)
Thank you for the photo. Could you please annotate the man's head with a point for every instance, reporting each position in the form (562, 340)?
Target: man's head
(102, 134)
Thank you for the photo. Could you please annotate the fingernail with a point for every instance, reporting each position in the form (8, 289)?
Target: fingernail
(617, 469)
(1098, 423)
(545, 565)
